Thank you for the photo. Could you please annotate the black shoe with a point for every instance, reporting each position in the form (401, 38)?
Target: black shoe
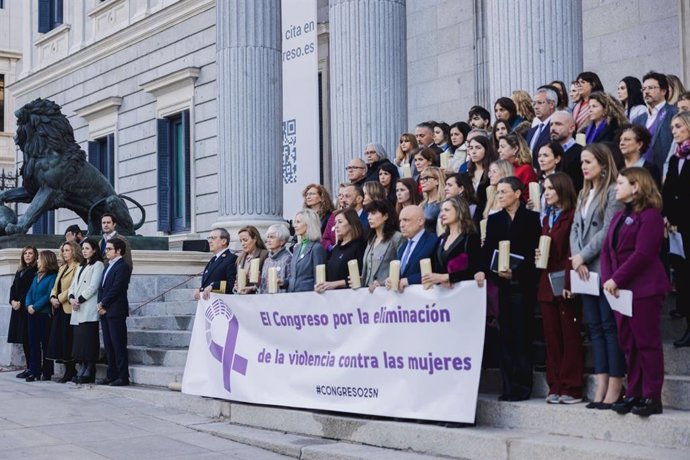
(683, 341)
(24, 374)
(105, 381)
(625, 406)
(31, 378)
(594, 405)
(46, 377)
(676, 314)
(648, 407)
(88, 379)
(67, 377)
(119, 383)
(76, 379)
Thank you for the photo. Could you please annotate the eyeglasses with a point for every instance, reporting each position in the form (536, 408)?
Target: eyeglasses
(107, 249)
(210, 238)
(649, 88)
(352, 168)
(371, 152)
(427, 178)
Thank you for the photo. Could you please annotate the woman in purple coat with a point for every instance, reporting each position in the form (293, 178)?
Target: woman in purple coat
(630, 260)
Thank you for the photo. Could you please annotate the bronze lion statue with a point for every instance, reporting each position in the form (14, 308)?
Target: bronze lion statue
(55, 174)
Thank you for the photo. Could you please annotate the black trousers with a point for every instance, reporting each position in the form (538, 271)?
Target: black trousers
(115, 343)
(516, 306)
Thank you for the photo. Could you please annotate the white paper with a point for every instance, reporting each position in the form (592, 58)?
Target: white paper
(578, 286)
(622, 304)
(675, 241)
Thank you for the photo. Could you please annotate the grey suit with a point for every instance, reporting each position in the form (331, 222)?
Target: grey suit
(303, 266)
(662, 138)
(587, 234)
(377, 259)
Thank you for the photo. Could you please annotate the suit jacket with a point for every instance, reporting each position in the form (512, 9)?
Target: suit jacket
(84, 288)
(364, 219)
(544, 138)
(377, 259)
(587, 233)
(662, 138)
(128, 250)
(424, 250)
(39, 293)
(220, 273)
(634, 262)
(559, 252)
(523, 232)
(676, 195)
(609, 136)
(62, 284)
(112, 294)
(572, 166)
(303, 266)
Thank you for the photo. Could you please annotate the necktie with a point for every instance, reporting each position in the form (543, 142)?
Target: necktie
(535, 138)
(406, 255)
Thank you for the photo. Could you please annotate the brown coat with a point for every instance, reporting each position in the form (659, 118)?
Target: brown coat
(62, 283)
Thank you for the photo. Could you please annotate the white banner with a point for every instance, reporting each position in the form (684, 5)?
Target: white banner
(413, 355)
(300, 102)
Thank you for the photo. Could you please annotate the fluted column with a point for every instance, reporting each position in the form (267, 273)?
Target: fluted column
(532, 43)
(248, 51)
(368, 59)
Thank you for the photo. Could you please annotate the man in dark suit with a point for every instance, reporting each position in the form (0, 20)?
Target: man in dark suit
(517, 286)
(113, 308)
(420, 245)
(657, 119)
(352, 196)
(109, 229)
(220, 272)
(544, 103)
(562, 130)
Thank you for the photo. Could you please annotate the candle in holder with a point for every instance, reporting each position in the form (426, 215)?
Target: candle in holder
(503, 255)
(241, 279)
(425, 268)
(581, 139)
(406, 170)
(353, 268)
(544, 247)
(535, 195)
(254, 270)
(272, 280)
(394, 273)
(320, 273)
(482, 228)
(445, 159)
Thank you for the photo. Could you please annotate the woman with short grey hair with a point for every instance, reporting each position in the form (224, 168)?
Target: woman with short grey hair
(278, 257)
(374, 156)
(307, 253)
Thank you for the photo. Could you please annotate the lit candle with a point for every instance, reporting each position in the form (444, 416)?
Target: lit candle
(406, 170)
(503, 255)
(544, 247)
(320, 274)
(445, 159)
(535, 195)
(241, 279)
(254, 270)
(425, 268)
(272, 280)
(482, 228)
(394, 273)
(353, 268)
(581, 139)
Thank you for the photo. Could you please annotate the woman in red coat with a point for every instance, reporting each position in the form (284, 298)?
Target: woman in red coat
(512, 147)
(560, 316)
(630, 260)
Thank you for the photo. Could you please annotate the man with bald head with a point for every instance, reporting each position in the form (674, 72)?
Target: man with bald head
(419, 245)
(356, 171)
(562, 131)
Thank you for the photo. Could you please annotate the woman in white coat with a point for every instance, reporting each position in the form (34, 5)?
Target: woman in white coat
(83, 296)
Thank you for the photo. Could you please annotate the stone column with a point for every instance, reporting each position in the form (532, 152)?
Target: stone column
(249, 80)
(532, 43)
(368, 55)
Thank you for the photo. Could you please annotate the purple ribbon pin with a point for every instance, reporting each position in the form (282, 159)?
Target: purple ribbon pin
(225, 354)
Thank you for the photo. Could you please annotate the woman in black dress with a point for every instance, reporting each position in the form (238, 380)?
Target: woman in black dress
(351, 245)
(18, 332)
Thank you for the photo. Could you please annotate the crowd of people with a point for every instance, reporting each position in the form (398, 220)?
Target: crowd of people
(582, 167)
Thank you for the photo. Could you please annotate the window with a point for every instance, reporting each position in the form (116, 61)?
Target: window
(49, 15)
(45, 225)
(102, 156)
(174, 202)
(2, 99)
(2, 4)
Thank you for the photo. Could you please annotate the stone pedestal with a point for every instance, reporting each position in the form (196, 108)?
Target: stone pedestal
(368, 56)
(531, 44)
(249, 60)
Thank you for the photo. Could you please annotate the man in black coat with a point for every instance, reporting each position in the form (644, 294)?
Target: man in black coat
(220, 272)
(562, 130)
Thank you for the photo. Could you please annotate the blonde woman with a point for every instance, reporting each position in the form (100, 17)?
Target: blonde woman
(432, 180)
(403, 154)
(307, 253)
(497, 171)
(512, 147)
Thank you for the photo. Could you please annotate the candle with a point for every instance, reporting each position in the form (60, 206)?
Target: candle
(544, 247)
(440, 229)
(425, 268)
(445, 159)
(272, 280)
(535, 195)
(482, 228)
(503, 255)
(406, 170)
(581, 139)
(490, 195)
(320, 274)
(241, 279)
(254, 270)
(353, 268)
(394, 273)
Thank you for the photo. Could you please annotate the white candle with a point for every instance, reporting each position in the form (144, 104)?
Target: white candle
(482, 228)
(503, 255)
(272, 280)
(425, 268)
(254, 270)
(581, 139)
(394, 273)
(440, 229)
(544, 247)
(241, 279)
(445, 159)
(320, 274)
(353, 268)
(406, 170)
(535, 195)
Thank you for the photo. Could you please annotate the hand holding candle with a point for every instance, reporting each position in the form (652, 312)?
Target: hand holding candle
(535, 196)
(394, 274)
(425, 268)
(544, 247)
(254, 266)
(241, 279)
(504, 256)
(320, 274)
(273, 280)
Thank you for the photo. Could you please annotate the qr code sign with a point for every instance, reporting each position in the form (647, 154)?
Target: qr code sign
(290, 151)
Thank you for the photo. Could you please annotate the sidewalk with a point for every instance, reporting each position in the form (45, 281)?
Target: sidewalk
(48, 420)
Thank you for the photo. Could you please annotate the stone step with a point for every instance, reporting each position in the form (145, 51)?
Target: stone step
(175, 323)
(164, 338)
(672, 328)
(180, 294)
(158, 376)
(167, 308)
(157, 356)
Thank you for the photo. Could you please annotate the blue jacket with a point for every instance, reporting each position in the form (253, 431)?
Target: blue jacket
(424, 249)
(39, 293)
(112, 295)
